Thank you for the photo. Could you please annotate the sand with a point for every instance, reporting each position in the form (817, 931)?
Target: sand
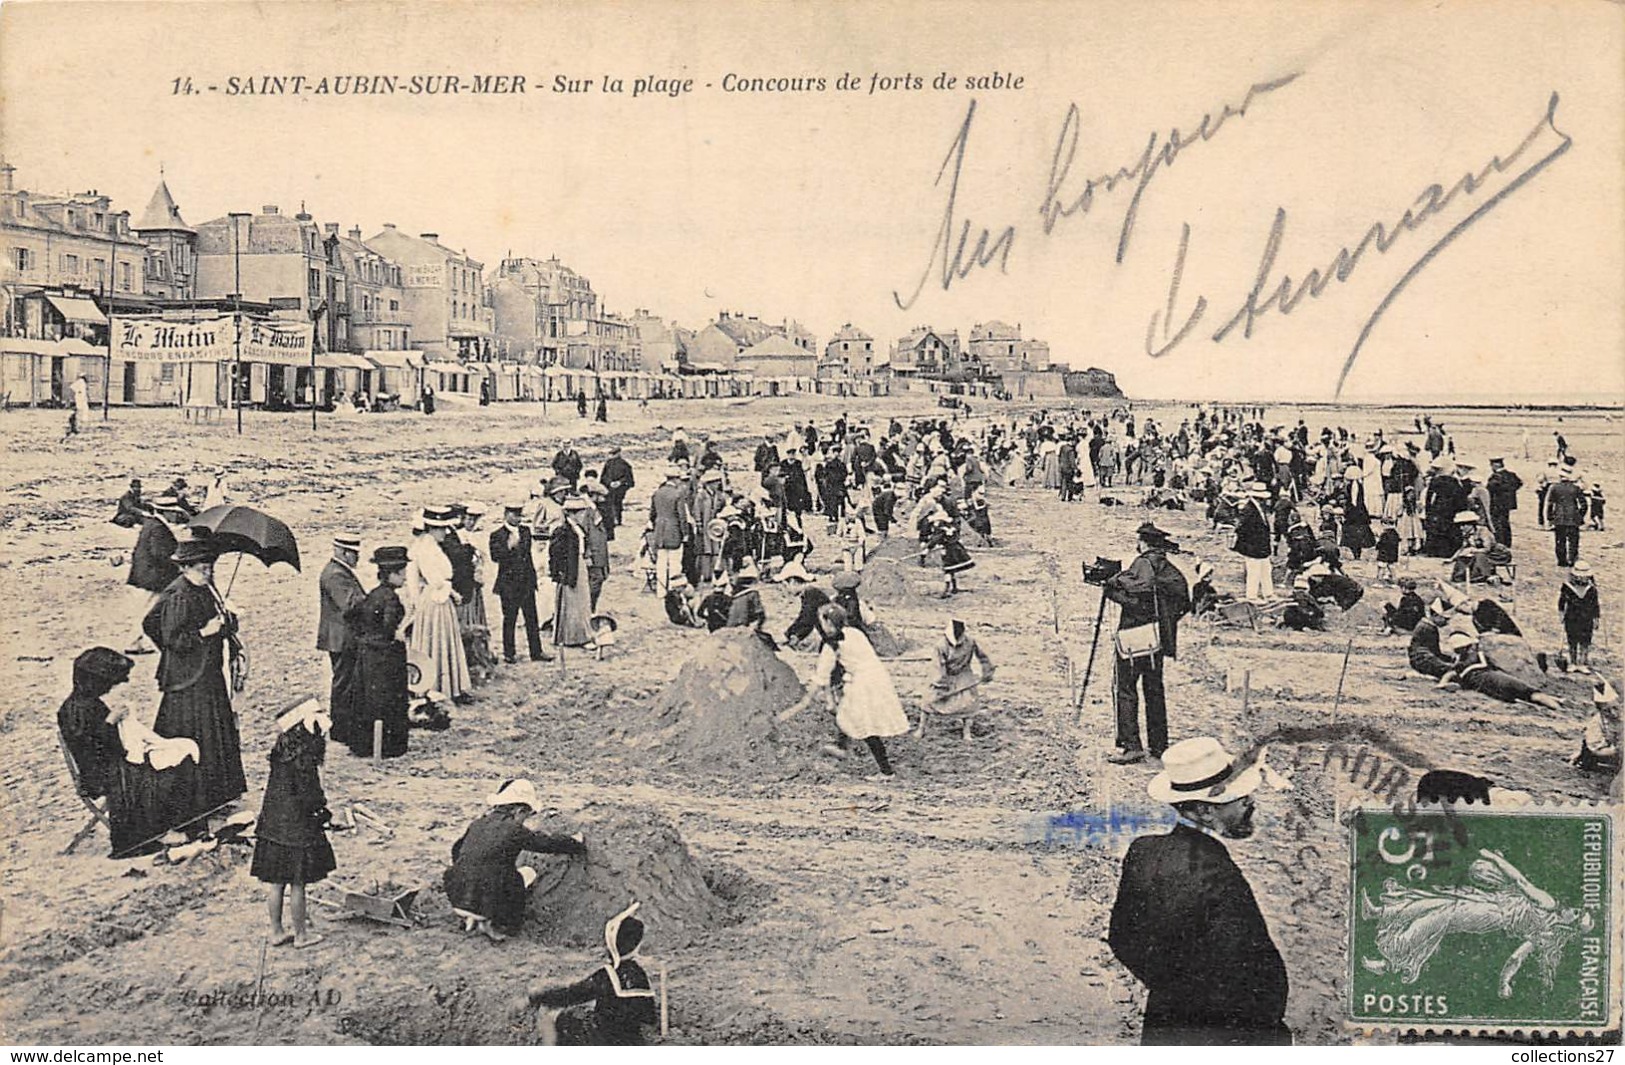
(842, 911)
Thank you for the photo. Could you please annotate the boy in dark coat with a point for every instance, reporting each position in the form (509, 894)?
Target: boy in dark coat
(486, 888)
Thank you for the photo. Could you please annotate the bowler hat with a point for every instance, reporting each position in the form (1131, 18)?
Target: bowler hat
(389, 558)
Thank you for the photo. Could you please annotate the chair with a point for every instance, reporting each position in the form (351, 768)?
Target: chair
(98, 809)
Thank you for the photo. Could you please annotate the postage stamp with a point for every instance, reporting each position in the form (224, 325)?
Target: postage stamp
(1479, 919)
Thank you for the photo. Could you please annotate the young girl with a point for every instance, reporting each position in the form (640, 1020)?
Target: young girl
(1577, 605)
(858, 688)
(956, 689)
(290, 839)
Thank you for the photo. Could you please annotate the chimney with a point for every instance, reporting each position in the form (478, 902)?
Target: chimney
(7, 174)
(331, 227)
(430, 236)
(270, 208)
(389, 225)
(355, 232)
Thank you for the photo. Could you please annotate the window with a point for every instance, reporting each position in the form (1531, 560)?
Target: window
(100, 268)
(23, 258)
(166, 372)
(124, 276)
(70, 264)
(315, 283)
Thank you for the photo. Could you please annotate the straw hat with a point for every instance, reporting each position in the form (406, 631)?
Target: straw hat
(1201, 770)
(1467, 517)
(509, 792)
(1258, 490)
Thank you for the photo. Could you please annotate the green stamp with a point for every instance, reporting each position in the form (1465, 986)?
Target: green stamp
(1464, 918)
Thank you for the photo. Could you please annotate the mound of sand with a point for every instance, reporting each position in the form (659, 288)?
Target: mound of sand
(884, 581)
(633, 855)
(719, 714)
(885, 642)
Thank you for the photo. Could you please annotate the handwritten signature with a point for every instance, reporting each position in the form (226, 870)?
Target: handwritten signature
(1285, 296)
(962, 246)
(956, 259)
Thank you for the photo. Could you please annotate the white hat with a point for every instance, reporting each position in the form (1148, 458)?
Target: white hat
(520, 791)
(1459, 639)
(1258, 490)
(307, 712)
(1201, 770)
(1605, 695)
(1467, 517)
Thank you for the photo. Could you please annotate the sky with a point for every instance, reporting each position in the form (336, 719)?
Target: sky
(830, 206)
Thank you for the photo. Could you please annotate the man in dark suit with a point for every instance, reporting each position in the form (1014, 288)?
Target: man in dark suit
(340, 590)
(617, 480)
(1150, 591)
(515, 585)
(671, 525)
(151, 568)
(1254, 543)
(1186, 923)
(1565, 513)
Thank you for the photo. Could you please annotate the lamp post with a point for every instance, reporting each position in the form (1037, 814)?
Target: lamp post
(237, 315)
(112, 286)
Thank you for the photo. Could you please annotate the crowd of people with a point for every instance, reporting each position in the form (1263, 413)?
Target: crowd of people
(807, 511)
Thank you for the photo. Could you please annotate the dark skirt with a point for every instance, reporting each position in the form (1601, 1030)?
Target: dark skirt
(380, 695)
(495, 891)
(282, 863)
(202, 713)
(955, 559)
(1579, 629)
(1497, 685)
(139, 807)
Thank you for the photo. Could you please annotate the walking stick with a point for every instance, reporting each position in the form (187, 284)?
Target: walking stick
(1338, 700)
(1094, 644)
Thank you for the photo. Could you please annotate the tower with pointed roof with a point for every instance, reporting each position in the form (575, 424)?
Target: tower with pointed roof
(171, 262)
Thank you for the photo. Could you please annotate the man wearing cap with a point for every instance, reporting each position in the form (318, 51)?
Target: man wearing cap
(132, 509)
(1185, 921)
(1253, 543)
(1151, 592)
(339, 590)
(1502, 487)
(151, 565)
(671, 525)
(1565, 513)
(515, 584)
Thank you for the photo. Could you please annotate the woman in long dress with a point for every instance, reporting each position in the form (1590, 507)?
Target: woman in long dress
(1049, 459)
(379, 692)
(567, 565)
(138, 810)
(856, 683)
(430, 599)
(190, 625)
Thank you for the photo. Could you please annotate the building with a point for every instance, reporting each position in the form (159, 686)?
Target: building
(999, 349)
(662, 345)
(543, 311)
(76, 241)
(719, 345)
(777, 355)
(446, 311)
(925, 352)
(367, 293)
(269, 258)
(852, 350)
(170, 270)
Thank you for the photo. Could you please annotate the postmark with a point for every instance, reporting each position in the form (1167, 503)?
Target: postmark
(1483, 919)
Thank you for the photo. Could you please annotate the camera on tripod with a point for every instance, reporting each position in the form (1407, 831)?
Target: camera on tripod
(1101, 570)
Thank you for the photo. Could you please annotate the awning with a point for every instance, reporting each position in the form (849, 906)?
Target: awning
(78, 309)
(396, 360)
(342, 360)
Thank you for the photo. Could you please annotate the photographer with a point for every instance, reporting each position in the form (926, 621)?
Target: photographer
(1153, 596)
